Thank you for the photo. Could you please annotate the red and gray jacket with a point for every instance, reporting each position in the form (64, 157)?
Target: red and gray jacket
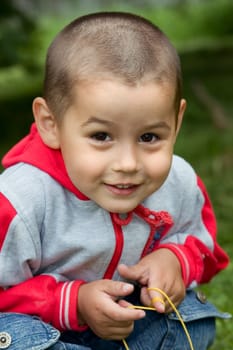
(53, 238)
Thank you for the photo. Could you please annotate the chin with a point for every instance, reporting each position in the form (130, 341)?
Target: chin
(121, 209)
(122, 206)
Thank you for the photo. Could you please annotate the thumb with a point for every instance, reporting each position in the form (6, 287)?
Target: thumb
(118, 289)
(132, 273)
(157, 299)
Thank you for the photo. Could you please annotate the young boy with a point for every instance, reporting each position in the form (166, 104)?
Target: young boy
(96, 209)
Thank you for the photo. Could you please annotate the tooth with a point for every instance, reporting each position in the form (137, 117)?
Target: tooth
(123, 186)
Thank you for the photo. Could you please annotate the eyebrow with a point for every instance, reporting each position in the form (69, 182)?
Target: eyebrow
(98, 121)
(157, 125)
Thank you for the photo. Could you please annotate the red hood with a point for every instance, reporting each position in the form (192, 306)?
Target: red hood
(32, 150)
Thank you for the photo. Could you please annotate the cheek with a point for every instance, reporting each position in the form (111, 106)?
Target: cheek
(83, 166)
(159, 167)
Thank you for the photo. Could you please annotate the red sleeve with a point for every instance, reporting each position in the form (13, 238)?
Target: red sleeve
(199, 262)
(7, 213)
(54, 302)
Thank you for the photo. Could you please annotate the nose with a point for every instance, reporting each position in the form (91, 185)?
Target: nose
(126, 159)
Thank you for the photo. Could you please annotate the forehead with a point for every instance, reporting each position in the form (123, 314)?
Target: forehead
(106, 87)
(114, 101)
(141, 94)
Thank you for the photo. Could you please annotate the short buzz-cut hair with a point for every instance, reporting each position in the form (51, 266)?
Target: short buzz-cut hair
(108, 45)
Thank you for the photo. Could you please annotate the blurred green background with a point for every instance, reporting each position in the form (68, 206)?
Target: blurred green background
(202, 31)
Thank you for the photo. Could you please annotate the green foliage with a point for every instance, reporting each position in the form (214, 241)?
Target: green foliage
(16, 28)
(192, 25)
(24, 38)
(209, 148)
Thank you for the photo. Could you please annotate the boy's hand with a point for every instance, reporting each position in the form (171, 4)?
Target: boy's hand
(159, 269)
(98, 307)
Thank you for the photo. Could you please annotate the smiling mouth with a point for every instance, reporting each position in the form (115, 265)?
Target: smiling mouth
(124, 186)
(122, 189)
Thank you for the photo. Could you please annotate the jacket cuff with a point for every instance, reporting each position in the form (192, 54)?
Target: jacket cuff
(191, 268)
(65, 313)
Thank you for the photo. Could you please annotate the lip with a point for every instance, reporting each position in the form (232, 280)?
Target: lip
(122, 189)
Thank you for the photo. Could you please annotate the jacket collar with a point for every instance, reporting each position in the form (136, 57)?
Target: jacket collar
(33, 151)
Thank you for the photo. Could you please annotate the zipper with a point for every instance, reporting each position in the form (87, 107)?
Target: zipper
(118, 246)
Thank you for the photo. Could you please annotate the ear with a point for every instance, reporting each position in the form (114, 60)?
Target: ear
(180, 115)
(46, 123)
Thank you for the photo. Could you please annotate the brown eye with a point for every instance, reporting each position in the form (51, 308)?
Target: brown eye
(101, 136)
(148, 137)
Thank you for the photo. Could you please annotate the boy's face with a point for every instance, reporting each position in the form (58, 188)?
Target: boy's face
(117, 141)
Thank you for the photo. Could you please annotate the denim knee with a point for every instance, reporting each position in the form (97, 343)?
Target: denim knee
(23, 332)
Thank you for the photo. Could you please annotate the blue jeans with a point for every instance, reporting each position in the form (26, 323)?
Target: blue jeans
(154, 332)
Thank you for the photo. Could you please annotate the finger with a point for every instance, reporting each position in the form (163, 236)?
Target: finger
(121, 311)
(157, 300)
(126, 312)
(117, 332)
(117, 289)
(132, 273)
(124, 303)
(158, 303)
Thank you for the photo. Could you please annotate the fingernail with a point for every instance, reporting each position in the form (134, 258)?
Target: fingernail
(127, 287)
(160, 307)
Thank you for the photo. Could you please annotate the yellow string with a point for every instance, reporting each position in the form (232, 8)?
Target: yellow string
(125, 344)
(174, 309)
